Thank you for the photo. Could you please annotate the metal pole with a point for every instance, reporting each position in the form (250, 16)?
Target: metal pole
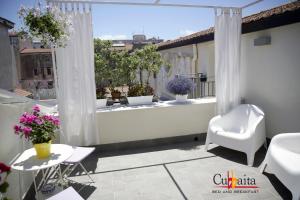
(156, 3)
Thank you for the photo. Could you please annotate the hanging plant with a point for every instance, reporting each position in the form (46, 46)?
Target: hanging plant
(49, 25)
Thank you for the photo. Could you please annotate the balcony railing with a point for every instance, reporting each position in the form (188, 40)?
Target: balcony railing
(204, 86)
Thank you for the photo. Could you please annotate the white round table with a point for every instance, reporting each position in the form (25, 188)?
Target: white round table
(28, 162)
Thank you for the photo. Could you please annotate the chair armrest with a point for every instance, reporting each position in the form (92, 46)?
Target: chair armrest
(215, 120)
(286, 140)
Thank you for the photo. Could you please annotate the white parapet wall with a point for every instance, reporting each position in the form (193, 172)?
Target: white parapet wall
(11, 108)
(158, 120)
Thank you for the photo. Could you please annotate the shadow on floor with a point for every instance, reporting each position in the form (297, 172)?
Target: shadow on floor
(132, 149)
(84, 190)
(91, 162)
(237, 156)
(279, 187)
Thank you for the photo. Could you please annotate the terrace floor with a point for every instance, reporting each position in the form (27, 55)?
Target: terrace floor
(178, 171)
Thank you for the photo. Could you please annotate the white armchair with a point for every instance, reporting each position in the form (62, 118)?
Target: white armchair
(242, 129)
(283, 160)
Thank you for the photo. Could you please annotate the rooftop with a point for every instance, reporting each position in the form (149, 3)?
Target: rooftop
(6, 23)
(278, 16)
(175, 171)
(32, 51)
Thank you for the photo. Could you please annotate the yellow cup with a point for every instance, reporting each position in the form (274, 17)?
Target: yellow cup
(42, 150)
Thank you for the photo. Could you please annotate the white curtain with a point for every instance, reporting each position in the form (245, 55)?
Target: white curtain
(227, 58)
(76, 83)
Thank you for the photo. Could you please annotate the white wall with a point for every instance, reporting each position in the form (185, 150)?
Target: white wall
(158, 121)
(206, 59)
(270, 74)
(10, 144)
(6, 70)
(181, 60)
(270, 77)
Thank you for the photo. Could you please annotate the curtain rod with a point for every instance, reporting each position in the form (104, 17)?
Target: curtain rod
(156, 3)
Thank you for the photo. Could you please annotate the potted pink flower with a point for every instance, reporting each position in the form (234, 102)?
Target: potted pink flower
(38, 128)
(4, 172)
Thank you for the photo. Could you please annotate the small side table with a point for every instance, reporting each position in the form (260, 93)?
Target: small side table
(27, 162)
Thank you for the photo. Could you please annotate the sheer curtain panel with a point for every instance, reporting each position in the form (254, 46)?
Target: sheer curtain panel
(76, 82)
(227, 58)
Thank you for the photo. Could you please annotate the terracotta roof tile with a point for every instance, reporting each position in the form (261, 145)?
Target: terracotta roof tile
(207, 35)
(21, 92)
(39, 50)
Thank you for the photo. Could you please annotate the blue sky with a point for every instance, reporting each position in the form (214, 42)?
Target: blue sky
(121, 22)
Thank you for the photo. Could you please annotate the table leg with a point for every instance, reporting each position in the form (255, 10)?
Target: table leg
(60, 177)
(35, 187)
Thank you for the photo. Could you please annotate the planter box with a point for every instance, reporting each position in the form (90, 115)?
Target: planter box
(160, 120)
(181, 98)
(101, 103)
(140, 100)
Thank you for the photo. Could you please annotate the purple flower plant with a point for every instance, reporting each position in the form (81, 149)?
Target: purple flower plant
(180, 85)
(36, 127)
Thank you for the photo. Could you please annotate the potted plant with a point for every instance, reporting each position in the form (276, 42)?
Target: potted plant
(101, 97)
(180, 86)
(140, 94)
(4, 172)
(115, 94)
(38, 128)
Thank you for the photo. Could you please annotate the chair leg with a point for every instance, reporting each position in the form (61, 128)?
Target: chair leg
(206, 143)
(250, 159)
(263, 167)
(296, 195)
(266, 145)
(87, 173)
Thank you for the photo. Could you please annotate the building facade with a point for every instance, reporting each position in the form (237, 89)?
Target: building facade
(37, 72)
(8, 74)
(34, 67)
(269, 69)
(138, 41)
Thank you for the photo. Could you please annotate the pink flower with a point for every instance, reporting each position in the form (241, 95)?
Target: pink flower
(36, 108)
(47, 117)
(38, 121)
(27, 118)
(27, 130)
(17, 129)
(23, 119)
(52, 119)
(56, 122)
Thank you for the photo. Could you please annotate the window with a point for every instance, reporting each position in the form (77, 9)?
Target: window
(49, 72)
(50, 84)
(35, 72)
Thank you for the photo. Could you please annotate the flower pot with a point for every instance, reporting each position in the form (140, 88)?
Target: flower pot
(42, 150)
(101, 103)
(181, 98)
(115, 95)
(140, 100)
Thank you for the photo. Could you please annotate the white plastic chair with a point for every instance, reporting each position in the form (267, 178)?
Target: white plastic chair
(242, 129)
(68, 193)
(283, 160)
(79, 154)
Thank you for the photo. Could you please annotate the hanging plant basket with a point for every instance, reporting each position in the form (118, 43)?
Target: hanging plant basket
(49, 25)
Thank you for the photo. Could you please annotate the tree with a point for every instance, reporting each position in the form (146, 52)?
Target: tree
(115, 68)
(107, 72)
(149, 60)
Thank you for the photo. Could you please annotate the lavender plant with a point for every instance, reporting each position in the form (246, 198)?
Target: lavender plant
(180, 86)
